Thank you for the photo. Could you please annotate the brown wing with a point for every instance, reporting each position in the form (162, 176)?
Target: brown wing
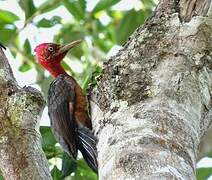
(61, 101)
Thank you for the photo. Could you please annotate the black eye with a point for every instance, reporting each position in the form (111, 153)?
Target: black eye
(50, 49)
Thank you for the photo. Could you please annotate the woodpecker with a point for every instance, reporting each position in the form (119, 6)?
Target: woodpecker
(67, 105)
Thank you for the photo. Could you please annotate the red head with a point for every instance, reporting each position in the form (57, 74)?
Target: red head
(50, 55)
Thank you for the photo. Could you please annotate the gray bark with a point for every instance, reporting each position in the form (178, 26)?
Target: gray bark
(152, 104)
(21, 155)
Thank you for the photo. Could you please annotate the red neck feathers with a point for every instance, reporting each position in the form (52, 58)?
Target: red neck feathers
(55, 69)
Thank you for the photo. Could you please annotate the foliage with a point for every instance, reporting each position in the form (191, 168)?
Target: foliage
(204, 173)
(99, 37)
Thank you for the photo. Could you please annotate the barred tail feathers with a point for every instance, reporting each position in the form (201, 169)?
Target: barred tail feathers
(87, 146)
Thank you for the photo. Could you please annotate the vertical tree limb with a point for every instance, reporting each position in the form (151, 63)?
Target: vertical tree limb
(153, 103)
(21, 155)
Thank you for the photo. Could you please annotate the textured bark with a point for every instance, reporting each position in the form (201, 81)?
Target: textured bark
(152, 104)
(21, 155)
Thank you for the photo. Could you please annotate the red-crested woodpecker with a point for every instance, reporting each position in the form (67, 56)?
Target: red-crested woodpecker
(67, 105)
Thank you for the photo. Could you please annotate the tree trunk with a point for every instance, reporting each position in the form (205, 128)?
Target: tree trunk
(21, 155)
(152, 104)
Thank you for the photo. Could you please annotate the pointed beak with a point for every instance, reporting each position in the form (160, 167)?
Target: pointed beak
(67, 47)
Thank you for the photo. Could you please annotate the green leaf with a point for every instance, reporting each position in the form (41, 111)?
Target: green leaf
(28, 58)
(92, 81)
(203, 173)
(86, 82)
(104, 4)
(68, 165)
(56, 173)
(14, 53)
(82, 4)
(28, 7)
(6, 35)
(24, 67)
(48, 5)
(83, 172)
(46, 23)
(47, 137)
(27, 47)
(76, 8)
(209, 154)
(48, 143)
(131, 20)
(7, 17)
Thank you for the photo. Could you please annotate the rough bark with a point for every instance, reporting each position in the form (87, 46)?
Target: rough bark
(21, 155)
(152, 104)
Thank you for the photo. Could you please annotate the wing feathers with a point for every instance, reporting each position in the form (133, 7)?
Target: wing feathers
(87, 146)
(60, 98)
(69, 133)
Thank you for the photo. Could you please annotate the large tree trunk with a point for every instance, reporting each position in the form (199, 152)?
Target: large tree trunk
(153, 104)
(21, 155)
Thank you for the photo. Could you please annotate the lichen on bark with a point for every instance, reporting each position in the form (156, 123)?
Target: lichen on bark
(20, 148)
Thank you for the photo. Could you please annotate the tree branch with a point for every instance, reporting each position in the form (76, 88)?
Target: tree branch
(190, 8)
(21, 153)
(153, 103)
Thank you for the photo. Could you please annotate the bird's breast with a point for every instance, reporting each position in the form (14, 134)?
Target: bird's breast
(81, 113)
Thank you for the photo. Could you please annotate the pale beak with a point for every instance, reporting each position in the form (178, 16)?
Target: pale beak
(67, 47)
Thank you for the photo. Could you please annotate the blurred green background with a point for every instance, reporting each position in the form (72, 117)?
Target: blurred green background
(104, 25)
